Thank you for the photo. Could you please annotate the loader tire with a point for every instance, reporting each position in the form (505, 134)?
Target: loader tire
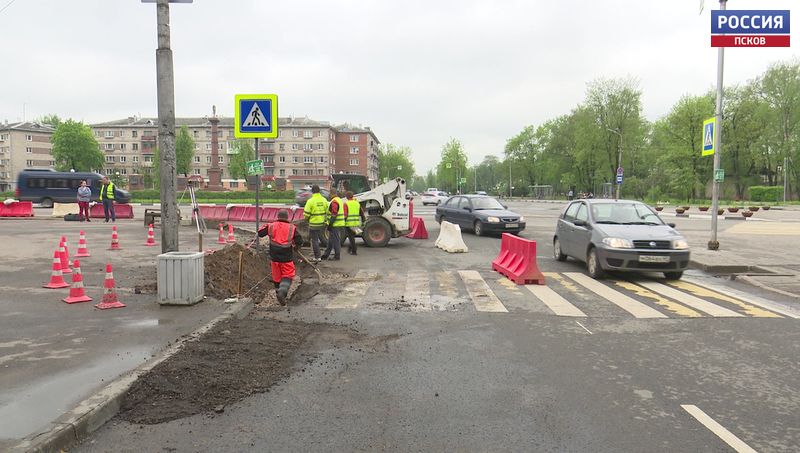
(377, 232)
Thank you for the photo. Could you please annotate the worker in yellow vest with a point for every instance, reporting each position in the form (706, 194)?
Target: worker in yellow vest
(315, 213)
(107, 198)
(335, 226)
(353, 218)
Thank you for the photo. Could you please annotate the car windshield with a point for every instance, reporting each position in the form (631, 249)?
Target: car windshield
(486, 203)
(624, 214)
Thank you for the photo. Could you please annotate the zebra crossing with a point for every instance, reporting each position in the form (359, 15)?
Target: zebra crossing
(567, 294)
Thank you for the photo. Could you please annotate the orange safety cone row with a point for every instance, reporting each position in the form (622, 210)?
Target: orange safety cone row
(76, 291)
(83, 252)
(231, 237)
(221, 239)
(56, 278)
(64, 260)
(151, 239)
(110, 299)
(114, 239)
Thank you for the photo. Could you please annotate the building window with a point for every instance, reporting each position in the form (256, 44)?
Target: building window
(208, 132)
(135, 158)
(282, 147)
(121, 133)
(308, 172)
(280, 132)
(135, 147)
(122, 147)
(110, 159)
(295, 159)
(295, 146)
(221, 159)
(148, 158)
(308, 134)
(295, 172)
(354, 150)
(295, 133)
(108, 146)
(281, 158)
(134, 134)
(322, 159)
(282, 172)
(29, 163)
(197, 171)
(308, 146)
(321, 146)
(320, 171)
(208, 146)
(319, 133)
(308, 159)
(354, 138)
(123, 171)
(122, 159)
(109, 134)
(353, 161)
(196, 134)
(29, 150)
(197, 159)
(29, 138)
(208, 159)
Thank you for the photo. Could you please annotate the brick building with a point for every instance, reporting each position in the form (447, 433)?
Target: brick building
(23, 145)
(357, 151)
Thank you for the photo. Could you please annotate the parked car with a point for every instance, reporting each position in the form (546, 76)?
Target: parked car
(480, 192)
(480, 214)
(304, 194)
(47, 186)
(619, 235)
(434, 198)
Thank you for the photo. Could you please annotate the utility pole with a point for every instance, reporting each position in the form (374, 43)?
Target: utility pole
(713, 244)
(510, 193)
(785, 178)
(166, 128)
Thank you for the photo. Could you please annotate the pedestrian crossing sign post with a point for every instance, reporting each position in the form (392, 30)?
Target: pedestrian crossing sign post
(709, 129)
(255, 116)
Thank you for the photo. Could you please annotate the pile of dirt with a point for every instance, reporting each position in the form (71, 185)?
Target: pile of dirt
(237, 358)
(222, 272)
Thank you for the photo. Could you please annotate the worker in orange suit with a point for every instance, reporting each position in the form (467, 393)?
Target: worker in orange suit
(283, 237)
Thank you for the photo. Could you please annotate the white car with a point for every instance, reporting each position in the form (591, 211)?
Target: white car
(434, 198)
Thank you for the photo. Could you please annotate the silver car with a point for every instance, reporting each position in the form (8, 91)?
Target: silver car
(619, 235)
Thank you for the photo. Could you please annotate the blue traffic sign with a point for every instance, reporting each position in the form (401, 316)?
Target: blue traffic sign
(619, 179)
(256, 116)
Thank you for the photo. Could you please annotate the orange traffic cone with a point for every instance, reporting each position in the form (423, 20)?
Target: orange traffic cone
(114, 239)
(66, 250)
(109, 294)
(64, 260)
(151, 239)
(221, 239)
(82, 251)
(76, 292)
(231, 237)
(56, 278)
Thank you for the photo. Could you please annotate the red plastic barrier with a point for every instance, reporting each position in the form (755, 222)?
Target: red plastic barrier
(122, 211)
(17, 209)
(221, 213)
(207, 212)
(236, 214)
(299, 214)
(418, 230)
(269, 214)
(517, 260)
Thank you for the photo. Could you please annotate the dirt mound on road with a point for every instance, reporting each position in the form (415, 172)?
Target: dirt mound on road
(222, 272)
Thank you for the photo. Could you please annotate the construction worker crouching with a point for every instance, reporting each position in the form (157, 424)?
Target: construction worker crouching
(353, 218)
(282, 237)
(315, 213)
(335, 226)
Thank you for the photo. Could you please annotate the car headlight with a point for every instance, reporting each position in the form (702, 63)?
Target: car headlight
(521, 218)
(493, 220)
(618, 243)
(680, 244)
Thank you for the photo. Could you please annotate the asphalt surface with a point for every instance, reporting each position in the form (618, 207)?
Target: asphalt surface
(451, 377)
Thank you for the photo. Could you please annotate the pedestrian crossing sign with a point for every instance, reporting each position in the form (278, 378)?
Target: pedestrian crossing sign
(709, 129)
(255, 116)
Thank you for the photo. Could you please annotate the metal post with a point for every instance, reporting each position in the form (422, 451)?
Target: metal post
(619, 164)
(258, 189)
(510, 194)
(785, 178)
(166, 132)
(713, 244)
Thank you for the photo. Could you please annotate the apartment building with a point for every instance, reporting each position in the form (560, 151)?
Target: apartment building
(23, 145)
(304, 153)
(357, 151)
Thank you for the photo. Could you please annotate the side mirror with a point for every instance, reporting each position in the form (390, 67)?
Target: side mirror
(672, 225)
(579, 222)
(505, 206)
(467, 208)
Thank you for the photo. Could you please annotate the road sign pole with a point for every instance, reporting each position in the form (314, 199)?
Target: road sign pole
(258, 189)
(713, 244)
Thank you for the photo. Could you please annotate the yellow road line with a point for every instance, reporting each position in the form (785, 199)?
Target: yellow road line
(447, 284)
(482, 296)
(669, 305)
(508, 284)
(632, 306)
(704, 292)
(563, 282)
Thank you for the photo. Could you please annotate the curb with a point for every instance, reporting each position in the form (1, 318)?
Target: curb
(93, 412)
(739, 269)
(756, 283)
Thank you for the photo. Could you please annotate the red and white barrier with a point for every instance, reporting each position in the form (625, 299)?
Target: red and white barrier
(517, 260)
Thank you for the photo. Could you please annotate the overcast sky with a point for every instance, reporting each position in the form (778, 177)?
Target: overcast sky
(417, 72)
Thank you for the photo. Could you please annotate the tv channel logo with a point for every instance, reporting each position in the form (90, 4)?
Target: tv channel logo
(750, 28)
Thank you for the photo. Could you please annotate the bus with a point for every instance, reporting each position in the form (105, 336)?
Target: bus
(47, 186)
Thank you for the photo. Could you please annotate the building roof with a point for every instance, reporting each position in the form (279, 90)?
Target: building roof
(27, 126)
(203, 122)
(347, 127)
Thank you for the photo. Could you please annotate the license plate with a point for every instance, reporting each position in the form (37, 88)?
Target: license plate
(653, 259)
(512, 225)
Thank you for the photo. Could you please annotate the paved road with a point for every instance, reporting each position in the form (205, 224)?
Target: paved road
(627, 364)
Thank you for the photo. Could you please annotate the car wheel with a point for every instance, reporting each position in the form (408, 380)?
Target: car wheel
(557, 251)
(593, 265)
(478, 228)
(440, 220)
(673, 275)
(47, 202)
(438, 203)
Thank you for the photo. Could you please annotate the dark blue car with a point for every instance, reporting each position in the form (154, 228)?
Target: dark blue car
(480, 214)
(47, 186)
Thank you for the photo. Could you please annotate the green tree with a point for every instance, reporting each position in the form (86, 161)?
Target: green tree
(453, 164)
(395, 161)
(242, 153)
(74, 147)
(780, 88)
(51, 120)
(184, 151)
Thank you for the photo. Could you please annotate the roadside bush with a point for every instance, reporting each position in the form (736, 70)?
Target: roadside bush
(4, 195)
(765, 193)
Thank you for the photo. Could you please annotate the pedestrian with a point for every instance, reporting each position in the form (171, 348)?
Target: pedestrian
(315, 213)
(84, 197)
(283, 237)
(335, 226)
(107, 198)
(353, 218)
(570, 195)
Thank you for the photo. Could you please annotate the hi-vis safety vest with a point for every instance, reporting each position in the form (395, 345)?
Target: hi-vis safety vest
(107, 192)
(338, 220)
(353, 218)
(316, 211)
(280, 235)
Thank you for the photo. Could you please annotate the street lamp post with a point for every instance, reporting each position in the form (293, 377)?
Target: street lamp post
(713, 244)
(619, 158)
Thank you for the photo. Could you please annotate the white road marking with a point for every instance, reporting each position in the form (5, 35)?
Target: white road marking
(417, 292)
(690, 300)
(353, 290)
(751, 298)
(480, 293)
(554, 301)
(584, 328)
(632, 306)
(727, 436)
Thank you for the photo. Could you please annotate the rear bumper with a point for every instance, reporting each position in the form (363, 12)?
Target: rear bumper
(629, 260)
